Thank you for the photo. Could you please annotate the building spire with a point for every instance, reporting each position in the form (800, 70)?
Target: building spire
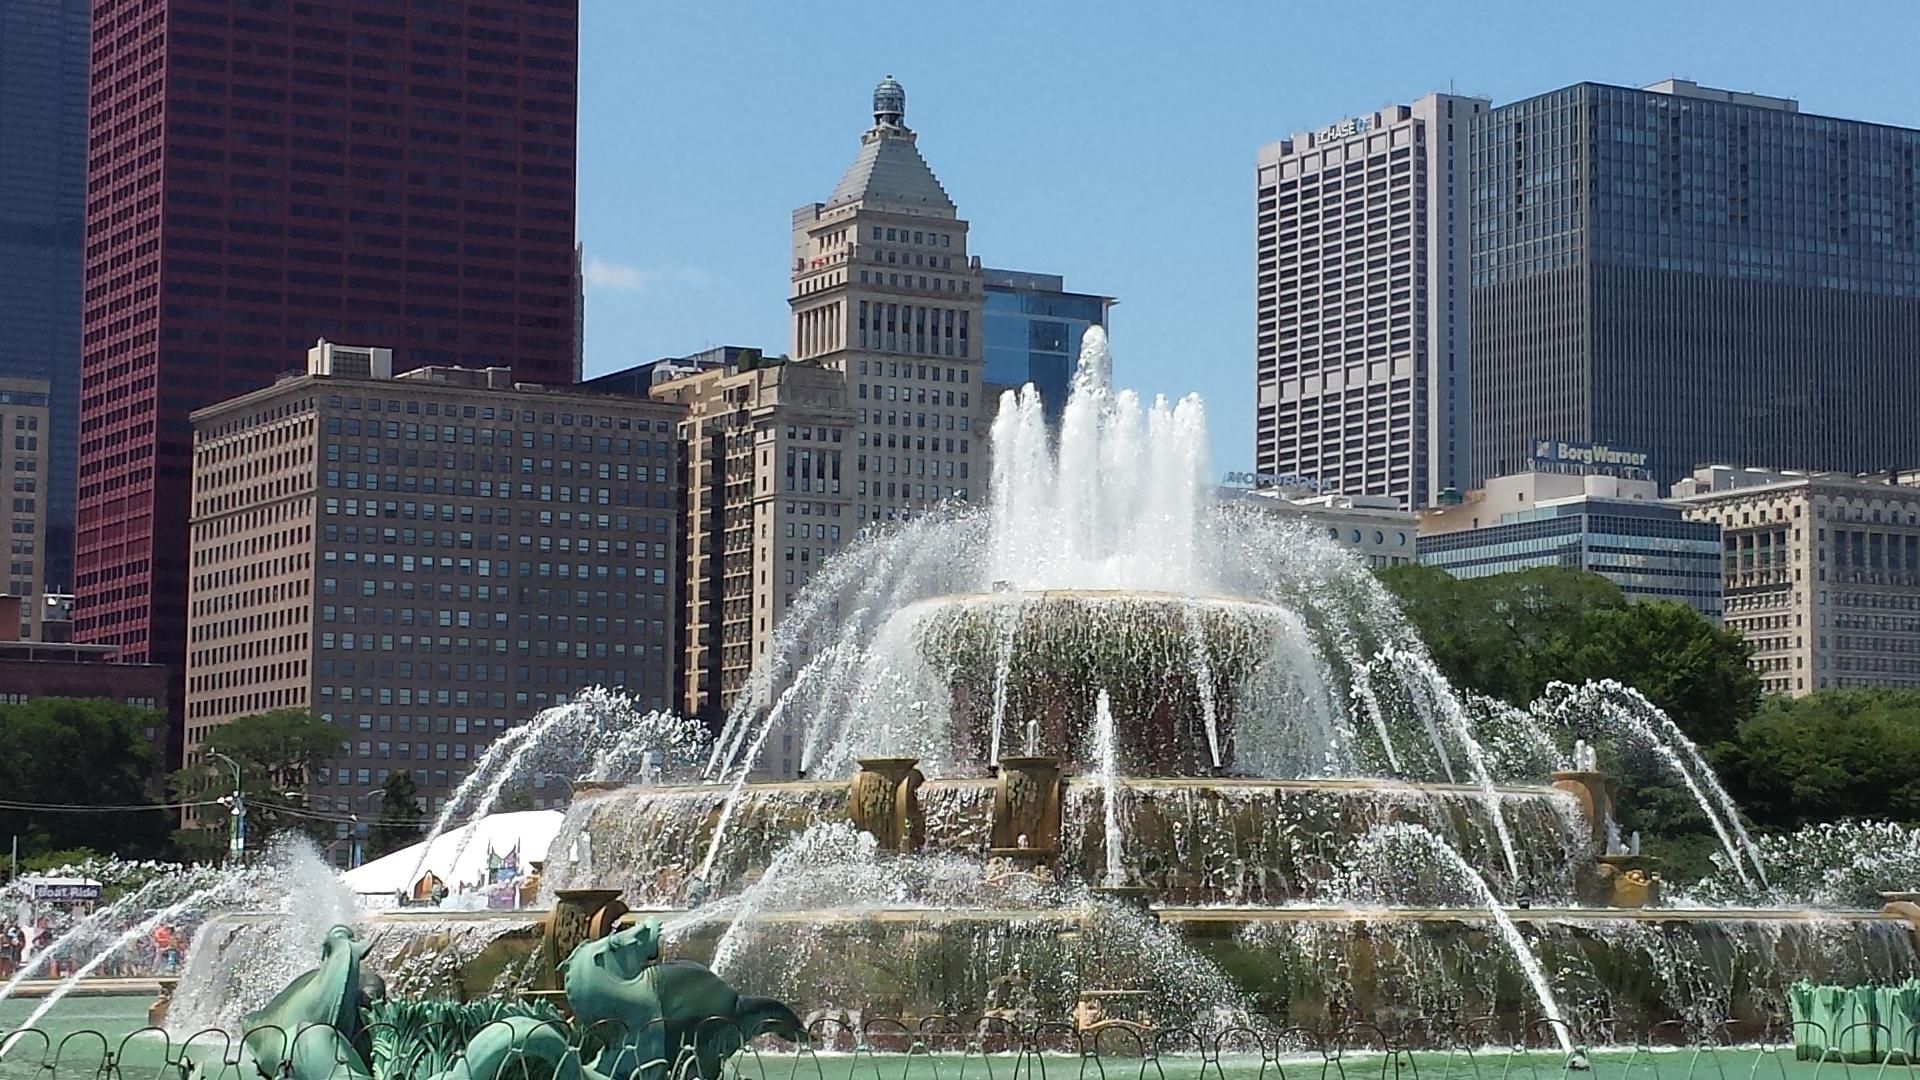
(889, 104)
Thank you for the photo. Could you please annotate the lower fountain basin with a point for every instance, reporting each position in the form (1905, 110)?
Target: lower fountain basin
(1616, 974)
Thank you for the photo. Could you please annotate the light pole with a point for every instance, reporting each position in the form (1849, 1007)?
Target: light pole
(237, 804)
(363, 799)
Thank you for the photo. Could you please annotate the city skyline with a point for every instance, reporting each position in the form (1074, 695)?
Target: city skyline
(1048, 179)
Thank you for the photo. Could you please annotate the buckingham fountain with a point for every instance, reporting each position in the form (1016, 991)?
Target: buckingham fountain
(1111, 749)
(1115, 745)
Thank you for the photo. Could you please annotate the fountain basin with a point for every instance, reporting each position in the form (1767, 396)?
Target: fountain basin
(1189, 840)
(1321, 967)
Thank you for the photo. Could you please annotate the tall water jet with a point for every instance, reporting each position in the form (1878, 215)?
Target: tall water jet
(1107, 750)
(600, 732)
(1378, 846)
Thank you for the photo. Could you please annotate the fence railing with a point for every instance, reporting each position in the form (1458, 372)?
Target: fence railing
(957, 1048)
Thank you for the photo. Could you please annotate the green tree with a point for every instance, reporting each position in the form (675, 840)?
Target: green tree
(1830, 755)
(1494, 634)
(512, 799)
(80, 752)
(1696, 672)
(401, 815)
(278, 753)
(1510, 635)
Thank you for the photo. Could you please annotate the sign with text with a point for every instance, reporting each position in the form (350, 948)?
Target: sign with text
(1271, 480)
(1592, 455)
(1345, 129)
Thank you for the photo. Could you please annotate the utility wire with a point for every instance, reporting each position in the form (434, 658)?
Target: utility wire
(80, 808)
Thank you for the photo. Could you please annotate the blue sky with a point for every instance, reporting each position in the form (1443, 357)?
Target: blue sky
(1113, 143)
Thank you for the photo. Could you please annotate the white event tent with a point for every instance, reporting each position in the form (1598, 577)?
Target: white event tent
(482, 845)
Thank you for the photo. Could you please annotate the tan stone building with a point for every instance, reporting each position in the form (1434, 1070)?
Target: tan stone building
(768, 497)
(885, 293)
(425, 560)
(1822, 572)
(1373, 527)
(879, 415)
(24, 443)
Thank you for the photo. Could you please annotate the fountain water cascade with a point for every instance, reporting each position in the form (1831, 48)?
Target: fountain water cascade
(1111, 738)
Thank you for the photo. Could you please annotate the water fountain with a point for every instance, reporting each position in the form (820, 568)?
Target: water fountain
(1217, 710)
(1110, 740)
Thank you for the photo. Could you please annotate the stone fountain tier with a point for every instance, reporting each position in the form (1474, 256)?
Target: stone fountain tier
(1188, 840)
(1318, 967)
(1024, 669)
(1617, 973)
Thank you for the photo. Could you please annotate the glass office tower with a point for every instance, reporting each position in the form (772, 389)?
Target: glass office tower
(1704, 275)
(1033, 331)
(43, 185)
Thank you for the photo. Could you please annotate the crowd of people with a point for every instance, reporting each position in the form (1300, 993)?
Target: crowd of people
(19, 943)
(23, 936)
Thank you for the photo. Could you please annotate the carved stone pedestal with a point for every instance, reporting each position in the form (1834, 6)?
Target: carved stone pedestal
(578, 915)
(1589, 789)
(1026, 810)
(884, 800)
(1628, 881)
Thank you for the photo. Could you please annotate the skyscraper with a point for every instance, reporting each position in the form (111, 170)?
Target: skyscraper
(766, 445)
(1701, 275)
(426, 559)
(885, 293)
(1033, 331)
(1360, 302)
(43, 183)
(349, 171)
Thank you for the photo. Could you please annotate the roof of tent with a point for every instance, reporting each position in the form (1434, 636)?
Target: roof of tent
(496, 835)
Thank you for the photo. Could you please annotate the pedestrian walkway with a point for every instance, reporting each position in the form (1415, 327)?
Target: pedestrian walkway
(38, 988)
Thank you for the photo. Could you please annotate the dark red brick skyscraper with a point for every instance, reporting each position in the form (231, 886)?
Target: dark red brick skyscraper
(264, 173)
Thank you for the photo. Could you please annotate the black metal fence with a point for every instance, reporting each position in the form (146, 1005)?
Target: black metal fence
(978, 1048)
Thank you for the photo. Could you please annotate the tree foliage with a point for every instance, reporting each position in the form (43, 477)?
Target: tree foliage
(80, 752)
(278, 753)
(1509, 635)
(401, 815)
(1834, 754)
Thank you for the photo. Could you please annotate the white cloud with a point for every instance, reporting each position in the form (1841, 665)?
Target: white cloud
(619, 277)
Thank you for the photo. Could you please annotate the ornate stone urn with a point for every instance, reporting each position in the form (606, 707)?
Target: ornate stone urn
(883, 800)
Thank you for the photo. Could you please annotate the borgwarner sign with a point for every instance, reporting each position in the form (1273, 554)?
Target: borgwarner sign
(1555, 452)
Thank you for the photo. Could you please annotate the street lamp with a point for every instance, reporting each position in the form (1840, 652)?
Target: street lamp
(237, 810)
(354, 853)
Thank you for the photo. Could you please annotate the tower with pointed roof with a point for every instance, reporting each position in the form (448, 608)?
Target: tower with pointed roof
(883, 290)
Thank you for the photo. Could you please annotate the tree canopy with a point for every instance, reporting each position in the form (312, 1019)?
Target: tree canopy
(401, 815)
(1509, 635)
(1833, 754)
(88, 752)
(278, 753)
